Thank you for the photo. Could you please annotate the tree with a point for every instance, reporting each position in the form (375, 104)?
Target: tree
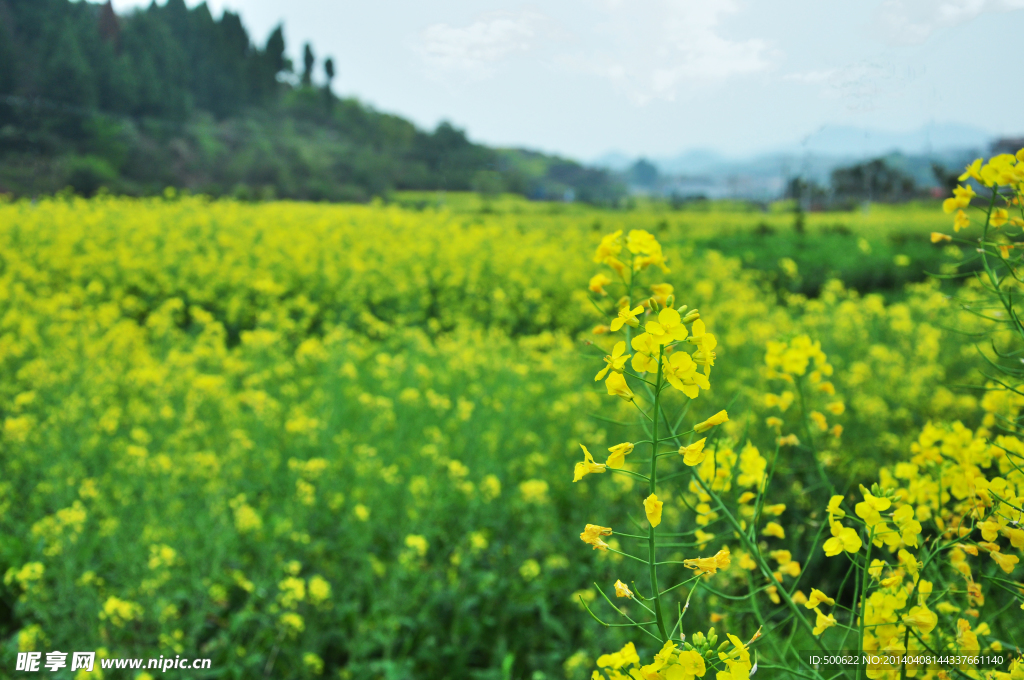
(307, 61)
(67, 75)
(872, 181)
(643, 173)
(274, 52)
(329, 71)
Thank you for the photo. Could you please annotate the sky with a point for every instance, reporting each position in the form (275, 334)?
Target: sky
(659, 77)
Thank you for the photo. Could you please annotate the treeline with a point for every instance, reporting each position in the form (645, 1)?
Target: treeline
(172, 96)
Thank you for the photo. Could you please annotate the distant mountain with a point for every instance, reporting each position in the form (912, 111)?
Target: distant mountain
(705, 172)
(841, 140)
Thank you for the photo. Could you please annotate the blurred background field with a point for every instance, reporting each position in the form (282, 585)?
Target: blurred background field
(302, 439)
(297, 384)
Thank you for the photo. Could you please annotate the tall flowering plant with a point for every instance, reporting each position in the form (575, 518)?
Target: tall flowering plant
(664, 348)
(909, 601)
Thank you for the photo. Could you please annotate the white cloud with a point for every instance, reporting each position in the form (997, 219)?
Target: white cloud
(475, 49)
(653, 49)
(865, 85)
(912, 22)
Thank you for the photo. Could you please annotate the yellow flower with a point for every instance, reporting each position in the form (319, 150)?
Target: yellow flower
(626, 316)
(617, 387)
(960, 221)
(823, 622)
(834, 511)
(652, 508)
(999, 217)
(836, 408)
(788, 440)
(668, 328)
(973, 171)
(951, 205)
(817, 597)
(710, 565)
(681, 373)
(311, 661)
(966, 192)
(737, 661)
(921, 618)
(293, 623)
(819, 420)
(909, 527)
(773, 529)
(691, 663)
(588, 466)
(618, 453)
(319, 590)
(938, 237)
(1005, 562)
(598, 282)
(694, 453)
(622, 590)
(661, 292)
(609, 248)
(843, 538)
(418, 544)
(646, 358)
(714, 420)
(614, 361)
(592, 534)
(624, 657)
(706, 344)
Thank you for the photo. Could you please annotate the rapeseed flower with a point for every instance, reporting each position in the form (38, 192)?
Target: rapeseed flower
(588, 466)
(592, 534)
(710, 565)
(652, 508)
(668, 328)
(617, 455)
(626, 316)
(614, 362)
(843, 538)
(817, 598)
(617, 386)
(693, 454)
(598, 282)
(822, 622)
(711, 422)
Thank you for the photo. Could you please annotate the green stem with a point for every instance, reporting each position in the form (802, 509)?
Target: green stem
(864, 593)
(810, 436)
(652, 542)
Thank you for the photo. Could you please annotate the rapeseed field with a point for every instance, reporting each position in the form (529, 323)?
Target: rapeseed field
(307, 440)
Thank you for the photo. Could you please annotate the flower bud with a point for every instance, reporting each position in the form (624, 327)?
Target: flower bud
(691, 316)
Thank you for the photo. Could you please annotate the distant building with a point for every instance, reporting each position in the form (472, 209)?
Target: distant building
(1007, 145)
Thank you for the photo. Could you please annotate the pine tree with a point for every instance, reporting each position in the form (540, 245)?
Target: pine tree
(307, 61)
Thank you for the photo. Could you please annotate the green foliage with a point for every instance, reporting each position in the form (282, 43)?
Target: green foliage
(874, 180)
(170, 96)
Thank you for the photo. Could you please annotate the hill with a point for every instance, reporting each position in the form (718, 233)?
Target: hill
(171, 96)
